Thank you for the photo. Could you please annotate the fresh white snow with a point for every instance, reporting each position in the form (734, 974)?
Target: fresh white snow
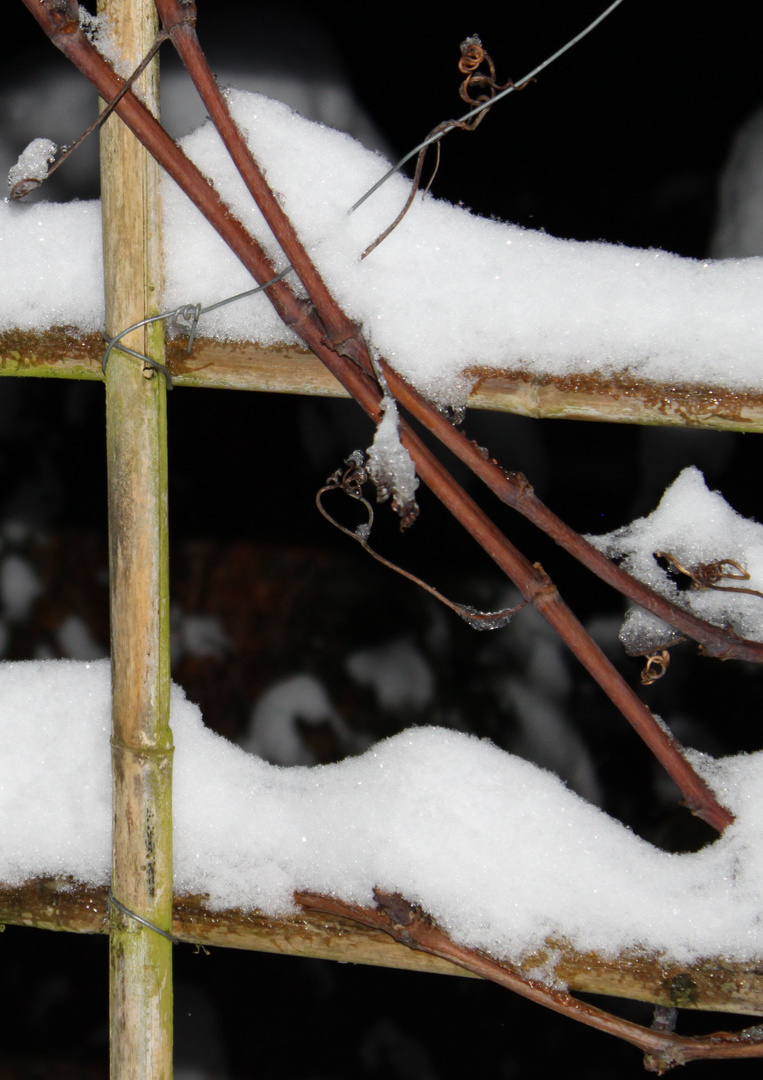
(445, 293)
(696, 527)
(389, 464)
(496, 849)
(32, 167)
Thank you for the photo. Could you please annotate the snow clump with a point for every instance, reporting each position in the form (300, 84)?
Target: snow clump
(698, 529)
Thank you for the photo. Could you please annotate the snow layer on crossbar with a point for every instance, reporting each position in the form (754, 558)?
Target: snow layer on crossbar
(499, 851)
(446, 293)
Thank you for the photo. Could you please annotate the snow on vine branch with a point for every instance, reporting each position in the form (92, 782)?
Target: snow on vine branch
(32, 167)
(698, 552)
(389, 464)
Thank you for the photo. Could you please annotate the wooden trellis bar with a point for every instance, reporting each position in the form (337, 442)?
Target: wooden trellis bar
(713, 984)
(290, 369)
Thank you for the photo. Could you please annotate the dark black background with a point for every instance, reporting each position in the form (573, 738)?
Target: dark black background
(622, 140)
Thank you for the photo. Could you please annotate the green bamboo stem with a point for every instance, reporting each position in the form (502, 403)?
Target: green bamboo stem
(140, 958)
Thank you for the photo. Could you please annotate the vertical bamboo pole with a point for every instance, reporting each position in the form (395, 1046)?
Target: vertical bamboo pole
(140, 958)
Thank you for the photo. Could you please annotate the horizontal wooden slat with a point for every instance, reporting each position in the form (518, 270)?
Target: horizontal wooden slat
(236, 365)
(714, 984)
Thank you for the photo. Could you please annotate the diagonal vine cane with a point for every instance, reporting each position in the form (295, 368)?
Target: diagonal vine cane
(326, 330)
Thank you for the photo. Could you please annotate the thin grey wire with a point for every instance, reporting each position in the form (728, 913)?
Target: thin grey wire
(139, 918)
(485, 105)
(191, 313)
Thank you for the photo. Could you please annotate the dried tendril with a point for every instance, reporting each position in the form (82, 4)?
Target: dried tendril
(473, 58)
(707, 575)
(655, 666)
(350, 481)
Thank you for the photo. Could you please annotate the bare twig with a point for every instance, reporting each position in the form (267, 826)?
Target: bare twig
(410, 926)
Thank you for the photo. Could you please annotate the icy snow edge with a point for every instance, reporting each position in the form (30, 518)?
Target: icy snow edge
(496, 849)
(446, 293)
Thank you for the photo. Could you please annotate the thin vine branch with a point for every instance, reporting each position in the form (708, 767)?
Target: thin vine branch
(23, 186)
(410, 926)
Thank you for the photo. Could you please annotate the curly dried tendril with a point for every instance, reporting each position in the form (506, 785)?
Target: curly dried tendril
(707, 575)
(473, 58)
(655, 666)
(350, 480)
